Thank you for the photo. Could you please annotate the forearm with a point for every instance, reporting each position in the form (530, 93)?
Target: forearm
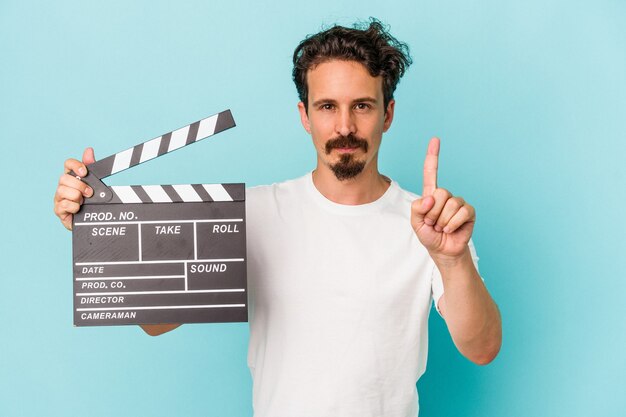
(158, 329)
(470, 313)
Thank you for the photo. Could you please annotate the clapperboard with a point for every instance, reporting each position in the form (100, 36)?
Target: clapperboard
(147, 254)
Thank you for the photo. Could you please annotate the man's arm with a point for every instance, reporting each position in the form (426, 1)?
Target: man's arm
(158, 329)
(471, 314)
(444, 224)
(69, 196)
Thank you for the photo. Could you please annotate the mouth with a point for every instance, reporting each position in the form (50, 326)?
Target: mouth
(347, 149)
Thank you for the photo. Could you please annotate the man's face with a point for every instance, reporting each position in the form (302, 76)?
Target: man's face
(346, 117)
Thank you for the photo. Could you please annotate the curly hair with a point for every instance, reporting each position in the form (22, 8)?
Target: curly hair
(370, 44)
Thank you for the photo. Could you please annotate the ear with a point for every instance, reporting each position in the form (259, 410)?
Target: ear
(304, 118)
(389, 115)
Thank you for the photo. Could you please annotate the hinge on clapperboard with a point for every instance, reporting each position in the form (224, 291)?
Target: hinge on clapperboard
(136, 262)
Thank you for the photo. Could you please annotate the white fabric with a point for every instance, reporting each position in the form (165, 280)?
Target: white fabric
(339, 303)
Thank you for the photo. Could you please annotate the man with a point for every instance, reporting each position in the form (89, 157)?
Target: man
(343, 263)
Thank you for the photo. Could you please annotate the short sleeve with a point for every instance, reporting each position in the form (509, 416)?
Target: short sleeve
(437, 283)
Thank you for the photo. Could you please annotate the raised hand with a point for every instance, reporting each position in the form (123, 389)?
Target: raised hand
(442, 222)
(71, 191)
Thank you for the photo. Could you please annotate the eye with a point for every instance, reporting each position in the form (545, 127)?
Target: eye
(327, 106)
(362, 106)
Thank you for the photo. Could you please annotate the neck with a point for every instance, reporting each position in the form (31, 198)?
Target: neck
(365, 188)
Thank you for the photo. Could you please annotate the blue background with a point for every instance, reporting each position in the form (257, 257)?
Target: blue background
(528, 97)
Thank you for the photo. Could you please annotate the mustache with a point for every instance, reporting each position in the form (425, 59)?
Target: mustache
(350, 141)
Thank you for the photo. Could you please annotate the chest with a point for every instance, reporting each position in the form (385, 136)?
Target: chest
(347, 267)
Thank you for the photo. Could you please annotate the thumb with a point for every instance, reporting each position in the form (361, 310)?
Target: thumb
(88, 156)
(420, 207)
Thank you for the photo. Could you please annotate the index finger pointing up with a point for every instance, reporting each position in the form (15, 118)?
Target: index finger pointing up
(430, 167)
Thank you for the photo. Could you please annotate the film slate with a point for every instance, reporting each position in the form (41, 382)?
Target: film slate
(146, 254)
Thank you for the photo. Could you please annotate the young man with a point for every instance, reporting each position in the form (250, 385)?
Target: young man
(343, 263)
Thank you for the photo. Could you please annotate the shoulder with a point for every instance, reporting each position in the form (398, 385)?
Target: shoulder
(401, 199)
(270, 197)
(264, 192)
(405, 195)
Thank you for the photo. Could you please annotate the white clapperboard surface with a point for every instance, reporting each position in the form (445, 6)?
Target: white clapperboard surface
(147, 254)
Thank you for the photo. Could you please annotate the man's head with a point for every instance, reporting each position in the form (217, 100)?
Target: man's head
(371, 46)
(345, 79)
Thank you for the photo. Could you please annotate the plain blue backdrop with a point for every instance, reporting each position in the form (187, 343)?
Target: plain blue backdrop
(528, 97)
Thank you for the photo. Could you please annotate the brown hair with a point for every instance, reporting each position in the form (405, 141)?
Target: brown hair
(373, 46)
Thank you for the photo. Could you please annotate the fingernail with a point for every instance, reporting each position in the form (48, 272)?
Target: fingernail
(82, 172)
(438, 228)
(88, 191)
(428, 221)
(446, 229)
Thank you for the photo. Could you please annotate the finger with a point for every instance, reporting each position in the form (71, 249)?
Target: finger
(419, 208)
(68, 193)
(78, 167)
(65, 207)
(73, 182)
(465, 215)
(441, 196)
(65, 211)
(67, 221)
(75, 166)
(449, 209)
(88, 156)
(431, 164)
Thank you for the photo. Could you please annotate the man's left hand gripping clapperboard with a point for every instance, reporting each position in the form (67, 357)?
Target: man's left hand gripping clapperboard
(160, 253)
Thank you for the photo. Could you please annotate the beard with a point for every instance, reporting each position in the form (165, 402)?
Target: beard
(348, 166)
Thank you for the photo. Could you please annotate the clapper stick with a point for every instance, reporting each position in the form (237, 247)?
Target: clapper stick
(145, 254)
(148, 150)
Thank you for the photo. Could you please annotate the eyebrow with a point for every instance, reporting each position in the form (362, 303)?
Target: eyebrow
(331, 101)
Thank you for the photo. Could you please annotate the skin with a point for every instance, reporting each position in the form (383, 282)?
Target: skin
(444, 224)
(344, 98)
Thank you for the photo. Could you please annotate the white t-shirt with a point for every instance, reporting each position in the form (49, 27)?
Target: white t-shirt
(339, 303)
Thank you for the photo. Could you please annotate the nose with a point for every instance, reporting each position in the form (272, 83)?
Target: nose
(345, 123)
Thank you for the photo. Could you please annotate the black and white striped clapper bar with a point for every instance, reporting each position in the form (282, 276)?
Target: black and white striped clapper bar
(145, 254)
